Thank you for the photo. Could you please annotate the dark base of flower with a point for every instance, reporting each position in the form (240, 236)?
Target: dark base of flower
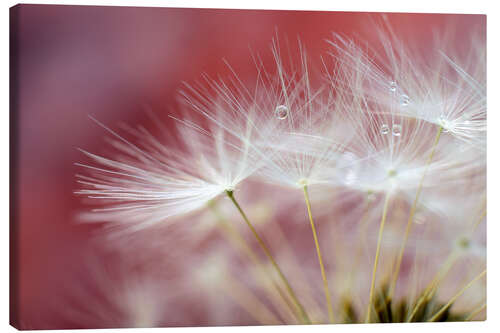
(424, 309)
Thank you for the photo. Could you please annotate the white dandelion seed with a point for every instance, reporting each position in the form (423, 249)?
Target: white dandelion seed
(148, 182)
(440, 90)
(289, 120)
(398, 152)
(307, 145)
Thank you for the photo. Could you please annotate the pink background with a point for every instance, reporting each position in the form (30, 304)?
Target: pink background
(112, 63)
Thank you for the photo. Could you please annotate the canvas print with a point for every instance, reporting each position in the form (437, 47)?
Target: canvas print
(213, 167)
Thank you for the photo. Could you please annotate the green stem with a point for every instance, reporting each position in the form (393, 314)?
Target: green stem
(239, 243)
(318, 252)
(457, 295)
(377, 254)
(429, 291)
(475, 312)
(413, 209)
(305, 317)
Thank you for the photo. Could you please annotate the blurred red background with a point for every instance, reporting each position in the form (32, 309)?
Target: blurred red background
(114, 63)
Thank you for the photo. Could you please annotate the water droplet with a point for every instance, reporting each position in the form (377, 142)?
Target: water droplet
(392, 86)
(281, 112)
(396, 130)
(404, 100)
(384, 129)
(370, 196)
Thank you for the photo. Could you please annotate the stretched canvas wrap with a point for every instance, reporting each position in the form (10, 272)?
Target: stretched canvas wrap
(206, 167)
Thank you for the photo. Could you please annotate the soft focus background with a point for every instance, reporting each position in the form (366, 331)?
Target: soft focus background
(116, 64)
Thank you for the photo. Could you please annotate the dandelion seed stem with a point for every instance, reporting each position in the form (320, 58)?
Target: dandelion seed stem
(360, 241)
(481, 216)
(457, 295)
(320, 259)
(303, 313)
(249, 302)
(294, 269)
(412, 215)
(239, 243)
(475, 312)
(377, 254)
(428, 291)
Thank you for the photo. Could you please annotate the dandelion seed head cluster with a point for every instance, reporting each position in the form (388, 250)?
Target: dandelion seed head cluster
(379, 139)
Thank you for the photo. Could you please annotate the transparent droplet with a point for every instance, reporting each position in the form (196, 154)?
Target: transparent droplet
(396, 129)
(281, 112)
(384, 129)
(392, 86)
(370, 196)
(404, 100)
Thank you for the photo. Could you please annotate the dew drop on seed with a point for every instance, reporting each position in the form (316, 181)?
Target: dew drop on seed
(392, 86)
(281, 112)
(396, 130)
(404, 100)
(384, 129)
